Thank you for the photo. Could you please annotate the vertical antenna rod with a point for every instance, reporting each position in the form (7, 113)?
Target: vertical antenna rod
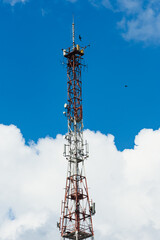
(73, 33)
(77, 209)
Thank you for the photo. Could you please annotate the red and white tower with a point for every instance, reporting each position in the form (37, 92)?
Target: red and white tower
(77, 209)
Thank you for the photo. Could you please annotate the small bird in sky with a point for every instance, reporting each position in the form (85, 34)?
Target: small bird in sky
(125, 85)
(80, 38)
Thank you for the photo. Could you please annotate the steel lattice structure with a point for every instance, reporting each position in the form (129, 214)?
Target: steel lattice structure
(77, 209)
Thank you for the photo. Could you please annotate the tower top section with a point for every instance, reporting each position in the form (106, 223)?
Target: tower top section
(75, 50)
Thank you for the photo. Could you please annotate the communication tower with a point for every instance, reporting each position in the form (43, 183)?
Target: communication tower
(77, 209)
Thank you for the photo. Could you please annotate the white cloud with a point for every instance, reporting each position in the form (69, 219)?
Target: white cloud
(140, 21)
(13, 2)
(125, 186)
(144, 24)
(28, 181)
(129, 180)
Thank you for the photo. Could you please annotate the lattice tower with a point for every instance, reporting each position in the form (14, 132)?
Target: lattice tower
(77, 209)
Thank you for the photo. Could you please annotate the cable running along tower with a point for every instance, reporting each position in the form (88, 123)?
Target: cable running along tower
(77, 209)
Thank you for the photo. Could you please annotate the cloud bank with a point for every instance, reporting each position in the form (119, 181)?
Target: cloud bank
(125, 186)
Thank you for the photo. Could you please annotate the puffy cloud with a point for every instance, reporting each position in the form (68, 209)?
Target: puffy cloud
(30, 181)
(126, 190)
(140, 21)
(125, 186)
(140, 18)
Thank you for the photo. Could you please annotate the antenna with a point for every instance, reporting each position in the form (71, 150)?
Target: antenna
(73, 33)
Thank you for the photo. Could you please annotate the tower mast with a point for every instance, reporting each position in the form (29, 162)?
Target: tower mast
(77, 209)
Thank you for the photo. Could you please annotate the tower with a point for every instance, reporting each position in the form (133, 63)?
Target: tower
(77, 209)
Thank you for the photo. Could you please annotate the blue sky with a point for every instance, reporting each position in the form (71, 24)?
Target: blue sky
(124, 38)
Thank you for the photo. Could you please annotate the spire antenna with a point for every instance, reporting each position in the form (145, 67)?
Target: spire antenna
(73, 33)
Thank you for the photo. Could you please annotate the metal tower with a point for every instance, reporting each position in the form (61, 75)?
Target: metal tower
(77, 209)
